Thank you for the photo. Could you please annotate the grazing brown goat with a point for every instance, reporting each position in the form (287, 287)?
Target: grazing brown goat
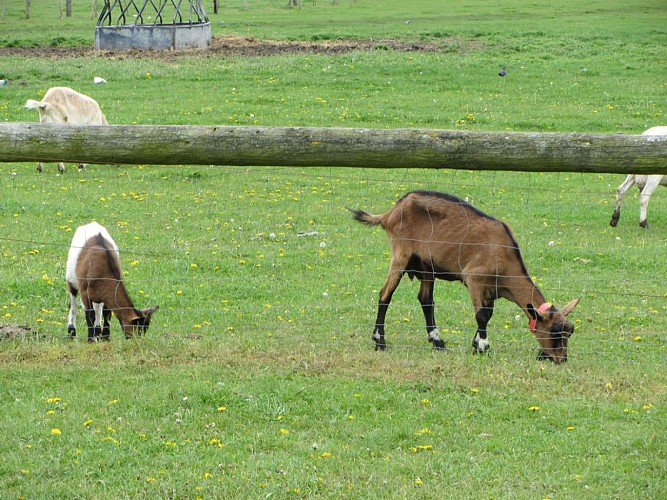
(436, 235)
(93, 268)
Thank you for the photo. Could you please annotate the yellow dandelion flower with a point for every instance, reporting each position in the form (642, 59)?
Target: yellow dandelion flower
(426, 401)
(53, 400)
(569, 428)
(87, 423)
(56, 432)
(284, 432)
(534, 408)
(222, 408)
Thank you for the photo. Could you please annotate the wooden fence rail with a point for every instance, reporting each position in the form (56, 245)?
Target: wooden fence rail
(340, 147)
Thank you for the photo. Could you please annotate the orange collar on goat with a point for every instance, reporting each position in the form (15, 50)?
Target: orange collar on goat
(532, 324)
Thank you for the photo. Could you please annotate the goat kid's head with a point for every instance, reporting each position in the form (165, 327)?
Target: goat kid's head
(139, 324)
(552, 329)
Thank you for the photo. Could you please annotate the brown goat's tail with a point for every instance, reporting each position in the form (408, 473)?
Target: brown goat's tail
(366, 218)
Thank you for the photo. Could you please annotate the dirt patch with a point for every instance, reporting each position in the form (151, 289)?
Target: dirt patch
(230, 46)
(16, 332)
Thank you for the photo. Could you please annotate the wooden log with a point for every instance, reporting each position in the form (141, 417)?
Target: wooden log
(341, 147)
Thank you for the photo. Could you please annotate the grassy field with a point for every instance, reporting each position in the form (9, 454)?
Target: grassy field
(258, 377)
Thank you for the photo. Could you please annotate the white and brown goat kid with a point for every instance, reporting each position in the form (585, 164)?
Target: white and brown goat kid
(68, 107)
(647, 184)
(438, 236)
(93, 270)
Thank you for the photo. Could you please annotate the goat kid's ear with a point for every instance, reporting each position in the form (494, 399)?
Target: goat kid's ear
(149, 312)
(570, 307)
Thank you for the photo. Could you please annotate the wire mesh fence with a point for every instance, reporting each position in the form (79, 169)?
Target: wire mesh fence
(271, 255)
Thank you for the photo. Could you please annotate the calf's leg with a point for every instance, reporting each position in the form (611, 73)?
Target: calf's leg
(652, 183)
(620, 194)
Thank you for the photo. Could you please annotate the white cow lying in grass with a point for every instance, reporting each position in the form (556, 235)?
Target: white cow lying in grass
(64, 105)
(646, 184)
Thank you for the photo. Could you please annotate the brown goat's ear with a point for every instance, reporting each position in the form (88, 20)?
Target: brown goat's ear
(532, 311)
(570, 307)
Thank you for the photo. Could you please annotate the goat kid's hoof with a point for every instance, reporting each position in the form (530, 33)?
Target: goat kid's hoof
(380, 347)
(644, 224)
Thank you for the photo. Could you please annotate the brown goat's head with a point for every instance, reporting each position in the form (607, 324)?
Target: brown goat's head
(552, 329)
(140, 324)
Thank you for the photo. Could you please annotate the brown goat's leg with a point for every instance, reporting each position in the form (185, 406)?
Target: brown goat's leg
(483, 314)
(386, 293)
(428, 306)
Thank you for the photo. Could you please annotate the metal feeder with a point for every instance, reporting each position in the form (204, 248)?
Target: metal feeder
(152, 24)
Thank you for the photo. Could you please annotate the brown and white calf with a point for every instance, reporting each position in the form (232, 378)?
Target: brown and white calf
(67, 106)
(436, 235)
(93, 269)
(647, 184)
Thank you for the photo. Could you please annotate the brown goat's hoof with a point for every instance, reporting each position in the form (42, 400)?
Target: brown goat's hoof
(644, 224)
(480, 346)
(438, 344)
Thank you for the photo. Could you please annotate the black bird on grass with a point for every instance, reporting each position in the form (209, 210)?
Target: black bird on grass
(503, 71)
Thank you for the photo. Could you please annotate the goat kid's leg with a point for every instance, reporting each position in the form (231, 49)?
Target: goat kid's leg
(90, 321)
(483, 314)
(71, 317)
(106, 328)
(620, 194)
(40, 167)
(652, 183)
(98, 307)
(61, 167)
(428, 306)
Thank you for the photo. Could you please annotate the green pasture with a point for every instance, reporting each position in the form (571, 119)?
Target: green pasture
(258, 376)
